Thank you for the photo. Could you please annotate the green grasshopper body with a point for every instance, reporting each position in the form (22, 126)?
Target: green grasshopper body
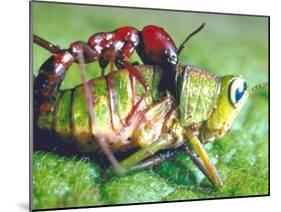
(203, 109)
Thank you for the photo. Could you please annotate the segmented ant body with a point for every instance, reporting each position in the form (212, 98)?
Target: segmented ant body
(153, 44)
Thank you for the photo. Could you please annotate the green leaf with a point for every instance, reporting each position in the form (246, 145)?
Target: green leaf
(63, 182)
(135, 188)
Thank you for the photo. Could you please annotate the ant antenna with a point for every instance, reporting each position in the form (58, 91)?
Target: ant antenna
(189, 36)
(46, 44)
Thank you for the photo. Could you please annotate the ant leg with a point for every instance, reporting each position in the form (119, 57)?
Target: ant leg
(89, 55)
(134, 74)
(89, 101)
(127, 51)
(86, 87)
(136, 106)
(133, 71)
(46, 44)
(133, 116)
(52, 72)
(81, 50)
(132, 119)
(106, 58)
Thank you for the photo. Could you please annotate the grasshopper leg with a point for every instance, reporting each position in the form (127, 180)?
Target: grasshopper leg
(197, 162)
(154, 160)
(129, 163)
(149, 134)
(206, 166)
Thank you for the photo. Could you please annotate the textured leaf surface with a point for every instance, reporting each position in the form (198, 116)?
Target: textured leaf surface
(64, 182)
(138, 187)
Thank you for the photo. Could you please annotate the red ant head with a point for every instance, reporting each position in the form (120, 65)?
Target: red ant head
(157, 47)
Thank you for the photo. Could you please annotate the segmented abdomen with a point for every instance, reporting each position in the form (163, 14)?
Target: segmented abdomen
(70, 117)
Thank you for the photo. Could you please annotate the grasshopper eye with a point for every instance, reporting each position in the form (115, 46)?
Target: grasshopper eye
(237, 91)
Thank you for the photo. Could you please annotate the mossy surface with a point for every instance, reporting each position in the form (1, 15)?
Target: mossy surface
(227, 45)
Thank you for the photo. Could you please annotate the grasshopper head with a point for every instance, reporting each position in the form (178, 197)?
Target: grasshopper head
(233, 94)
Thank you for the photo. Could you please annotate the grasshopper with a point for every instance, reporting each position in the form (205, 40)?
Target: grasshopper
(120, 114)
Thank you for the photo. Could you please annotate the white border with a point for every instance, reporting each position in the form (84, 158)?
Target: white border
(14, 113)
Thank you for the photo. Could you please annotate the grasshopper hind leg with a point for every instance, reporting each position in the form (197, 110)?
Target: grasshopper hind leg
(148, 135)
(154, 160)
(131, 163)
(203, 162)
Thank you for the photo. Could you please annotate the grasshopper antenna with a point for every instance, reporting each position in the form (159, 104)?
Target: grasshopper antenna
(257, 87)
(189, 36)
